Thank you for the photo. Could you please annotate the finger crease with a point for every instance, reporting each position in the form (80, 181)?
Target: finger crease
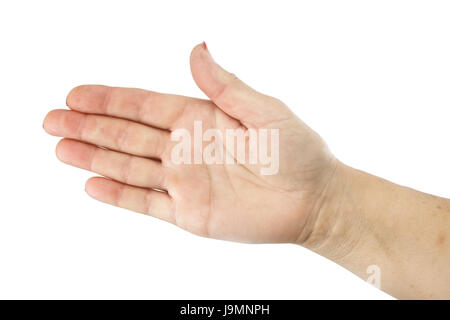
(81, 127)
(119, 195)
(122, 135)
(107, 101)
(126, 169)
(93, 155)
(148, 202)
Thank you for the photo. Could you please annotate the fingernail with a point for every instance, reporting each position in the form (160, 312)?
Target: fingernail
(204, 45)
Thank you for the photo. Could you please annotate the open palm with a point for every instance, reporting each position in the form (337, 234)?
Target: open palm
(124, 135)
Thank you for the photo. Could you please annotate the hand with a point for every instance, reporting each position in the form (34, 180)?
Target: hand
(357, 220)
(124, 134)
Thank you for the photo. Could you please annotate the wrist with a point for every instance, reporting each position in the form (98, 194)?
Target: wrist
(364, 221)
(337, 224)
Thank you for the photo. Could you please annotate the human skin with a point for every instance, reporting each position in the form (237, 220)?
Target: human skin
(314, 200)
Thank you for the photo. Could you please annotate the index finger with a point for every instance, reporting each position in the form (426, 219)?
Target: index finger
(152, 108)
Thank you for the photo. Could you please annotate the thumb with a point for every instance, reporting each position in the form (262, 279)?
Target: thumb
(232, 95)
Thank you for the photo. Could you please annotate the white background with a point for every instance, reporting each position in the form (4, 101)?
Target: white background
(372, 77)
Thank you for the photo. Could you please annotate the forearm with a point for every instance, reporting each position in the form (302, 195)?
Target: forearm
(366, 221)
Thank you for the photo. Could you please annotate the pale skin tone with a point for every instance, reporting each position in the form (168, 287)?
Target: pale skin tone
(346, 215)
